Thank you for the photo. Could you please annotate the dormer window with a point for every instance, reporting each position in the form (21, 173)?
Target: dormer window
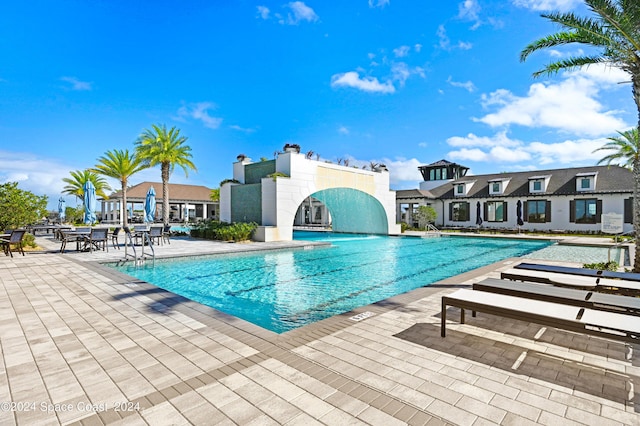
(538, 184)
(586, 181)
(461, 189)
(497, 186)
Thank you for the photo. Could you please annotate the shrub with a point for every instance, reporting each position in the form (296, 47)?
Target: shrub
(602, 266)
(214, 230)
(29, 240)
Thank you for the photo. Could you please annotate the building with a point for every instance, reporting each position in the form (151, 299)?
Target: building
(294, 189)
(186, 202)
(571, 199)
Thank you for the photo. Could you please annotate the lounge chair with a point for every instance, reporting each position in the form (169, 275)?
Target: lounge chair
(567, 296)
(97, 237)
(15, 238)
(569, 280)
(629, 276)
(572, 318)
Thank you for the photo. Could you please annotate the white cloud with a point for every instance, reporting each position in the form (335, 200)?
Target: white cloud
(423, 144)
(445, 43)
(366, 84)
(550, 5)
(468, 10)
(401, 51)
(570, 105)
(569, 151)
(378, 3)
(417, 47)
(242, 129)
(498, 154)
(471, 140)
(199, 111)
(467, 85)
(343, 130)
(300, 12)
(263, 12)
(77, 84)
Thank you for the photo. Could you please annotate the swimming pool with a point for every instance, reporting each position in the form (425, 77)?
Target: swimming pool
(285, 289)
(576, 253)
(181, 228)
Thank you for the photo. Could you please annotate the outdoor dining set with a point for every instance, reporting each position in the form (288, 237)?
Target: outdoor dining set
(96, 238)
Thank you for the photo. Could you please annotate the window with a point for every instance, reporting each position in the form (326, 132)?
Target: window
(495, 187)
(585, 183)
(495, 211)
(537, 185)
(585, 211)
(459, 189)
(536, 211)
(459, 212)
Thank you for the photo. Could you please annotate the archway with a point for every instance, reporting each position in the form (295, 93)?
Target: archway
(354, 211)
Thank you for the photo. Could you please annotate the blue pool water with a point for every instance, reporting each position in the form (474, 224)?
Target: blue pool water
(181, 228)
(285, 289)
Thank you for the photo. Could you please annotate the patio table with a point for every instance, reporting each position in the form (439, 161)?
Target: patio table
(77, 236)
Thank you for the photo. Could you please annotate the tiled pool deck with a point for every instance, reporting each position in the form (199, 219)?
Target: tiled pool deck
(84, 345)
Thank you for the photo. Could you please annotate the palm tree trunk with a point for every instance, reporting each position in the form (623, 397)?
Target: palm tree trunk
(123, 208)
(165, 193)
(636, 180)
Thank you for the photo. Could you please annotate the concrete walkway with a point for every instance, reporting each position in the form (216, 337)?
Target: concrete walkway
(82, 344)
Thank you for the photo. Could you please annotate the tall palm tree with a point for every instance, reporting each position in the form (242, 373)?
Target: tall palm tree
(157, 146)
(626, 152)
(121, 165)
(614, 30)
(75, 184)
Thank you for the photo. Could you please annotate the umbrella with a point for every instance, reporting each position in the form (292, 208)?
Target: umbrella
(150, 205)
(478, 217)
(129, 212)
(61, 207)
(519, 213)
(89, 202)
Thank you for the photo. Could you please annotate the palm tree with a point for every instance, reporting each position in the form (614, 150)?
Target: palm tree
(613, 31)
(75, 184)
(121, 165)
(157, 146)
(626, 150)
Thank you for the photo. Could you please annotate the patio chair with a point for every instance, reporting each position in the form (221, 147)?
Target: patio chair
(166, 234)
(568, 296)
(97, 237)
(155, 233)
(572, 318)
(114, 237)
(14, 239)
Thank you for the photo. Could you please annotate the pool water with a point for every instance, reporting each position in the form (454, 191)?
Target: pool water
(575, 253)
(285, 289)
(181, 228)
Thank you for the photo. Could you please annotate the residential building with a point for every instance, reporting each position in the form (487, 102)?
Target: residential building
(571, 199)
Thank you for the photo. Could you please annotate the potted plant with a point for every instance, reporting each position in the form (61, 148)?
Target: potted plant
(292, 147)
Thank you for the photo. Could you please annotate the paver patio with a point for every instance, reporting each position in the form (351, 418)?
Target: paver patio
(82, 344)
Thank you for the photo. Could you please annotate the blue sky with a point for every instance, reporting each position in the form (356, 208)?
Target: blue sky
(403, 83)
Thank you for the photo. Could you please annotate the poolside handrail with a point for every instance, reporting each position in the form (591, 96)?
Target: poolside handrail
(620, 244)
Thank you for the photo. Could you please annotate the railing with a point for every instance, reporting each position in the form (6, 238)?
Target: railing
(433, 229)
(618, 244)
(146, 240)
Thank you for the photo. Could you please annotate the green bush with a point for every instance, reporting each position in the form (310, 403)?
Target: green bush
(29, 240)
(602, 266)
(214, 230)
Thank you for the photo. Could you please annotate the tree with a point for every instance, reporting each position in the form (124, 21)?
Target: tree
(157, 146)
(215, 194)
(75, 184)
(121, 165)
(626, 152)
(19, 208)
(425, 215)
(614, 31)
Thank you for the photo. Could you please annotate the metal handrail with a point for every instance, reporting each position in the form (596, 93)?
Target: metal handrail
(430, 227)
(620, 244)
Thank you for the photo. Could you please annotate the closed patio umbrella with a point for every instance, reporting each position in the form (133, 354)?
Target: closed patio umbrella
(150, 206)
(89, 202)
(519, 213)
(478, 216)
(61, 208)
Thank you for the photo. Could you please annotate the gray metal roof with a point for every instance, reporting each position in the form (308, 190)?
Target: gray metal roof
(610, 179)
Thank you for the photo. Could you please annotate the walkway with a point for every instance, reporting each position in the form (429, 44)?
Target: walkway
(84, 345)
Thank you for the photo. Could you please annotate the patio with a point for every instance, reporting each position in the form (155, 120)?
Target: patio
(82, 344)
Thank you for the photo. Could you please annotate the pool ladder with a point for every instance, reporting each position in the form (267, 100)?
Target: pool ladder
(621, 261)
(146, 240)
(432, 231)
